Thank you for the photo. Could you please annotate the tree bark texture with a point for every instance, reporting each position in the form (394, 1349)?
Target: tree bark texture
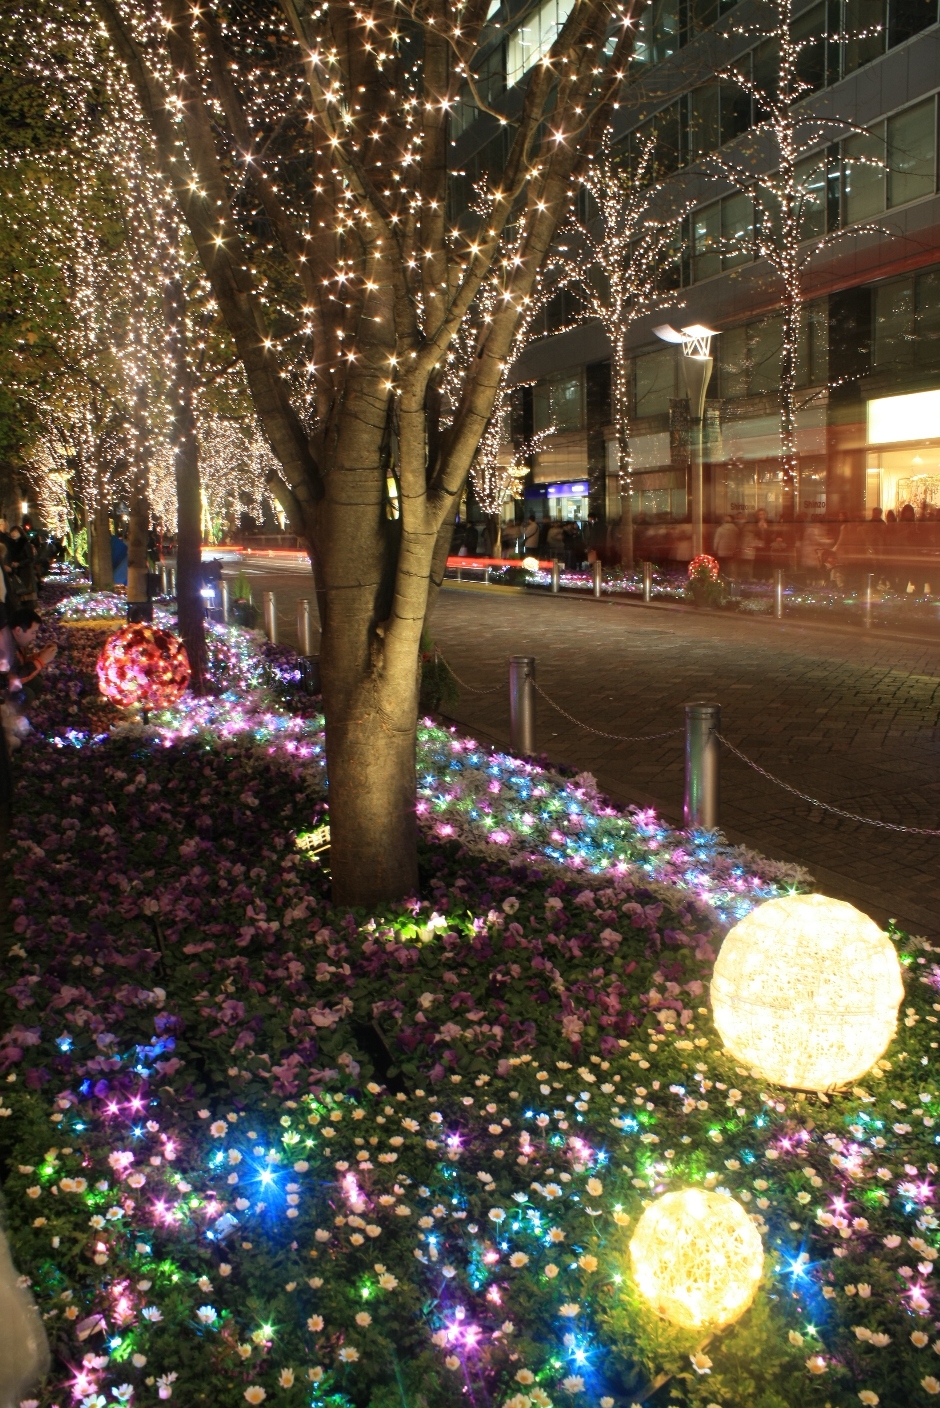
(99, 534)
(189, 604)
(137, 539)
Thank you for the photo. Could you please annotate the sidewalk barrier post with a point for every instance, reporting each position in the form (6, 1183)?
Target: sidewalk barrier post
(869, 583)
(778, 593)
(270, 617)
(702, 726)
(223, 588)
(304, 632)
(459, 574)
(522, 704)
(164, 579)
(556, 576)
(486, 575)
(647, 581)
(597, 576)
(172, 575)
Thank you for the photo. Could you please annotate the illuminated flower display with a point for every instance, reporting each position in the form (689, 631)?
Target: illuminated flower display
(703, 565)
(143, 665)
(289, 1154)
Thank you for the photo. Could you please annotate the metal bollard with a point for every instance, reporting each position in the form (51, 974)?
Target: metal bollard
(869, 581)
(304, 632)
(702, 726)
(223, 589)
(459, 574)
(171, 590)
(778, 593)
(556, 576)
(270, 617)
(522, 704)
(647, 581)
(597, 576)
(164, 579)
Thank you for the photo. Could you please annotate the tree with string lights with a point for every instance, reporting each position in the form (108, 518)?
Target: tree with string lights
(769, 165)
(308, 147)
(617, 261)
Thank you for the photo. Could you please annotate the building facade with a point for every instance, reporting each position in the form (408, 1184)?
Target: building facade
(868, 377)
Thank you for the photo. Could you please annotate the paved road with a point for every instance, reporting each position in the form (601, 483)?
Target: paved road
(850, 720)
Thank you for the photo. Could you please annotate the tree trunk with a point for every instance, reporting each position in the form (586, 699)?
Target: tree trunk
(137, 539)
(496, 530)
(189, 603)
(626, 528)
(99, 542)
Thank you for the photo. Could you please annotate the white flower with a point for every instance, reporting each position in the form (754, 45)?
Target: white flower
(123, 1393)
(497, 1215)
(151, 1313)
(587, 1262)
(595, 1187)
(816, 1364)
(219, 1128)
(569, 1310)
(930, 1384)
(919, 1339)
(315, 1323)
(700, 1362)
(138, 1360)
(573, 1384)
(165, 1385)
(207, 1314)
(518, 1259)
(286, 1378)
(255, 1394)
(795, 1338)
(869, 1398)
(451, 1362)
(349, 1354)
(525, 1376)
(551, 1271)
(363, 1318)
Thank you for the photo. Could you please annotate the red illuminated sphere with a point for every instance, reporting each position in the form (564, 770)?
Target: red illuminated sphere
(704, 562)
(143, 665)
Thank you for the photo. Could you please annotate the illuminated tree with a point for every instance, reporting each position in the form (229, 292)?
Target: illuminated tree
(618, 261)
(308, 151)
(773, 164)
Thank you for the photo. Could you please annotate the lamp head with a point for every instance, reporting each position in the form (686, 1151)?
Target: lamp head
(696, 339)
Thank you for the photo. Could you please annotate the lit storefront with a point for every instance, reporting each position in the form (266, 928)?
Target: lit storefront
(566, 501)
(903, 452)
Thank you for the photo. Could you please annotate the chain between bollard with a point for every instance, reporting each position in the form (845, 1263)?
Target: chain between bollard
(617, 737)
(824, 806)
(491, 689)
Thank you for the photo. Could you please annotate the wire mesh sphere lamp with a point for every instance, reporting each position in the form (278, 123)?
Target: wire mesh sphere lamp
(697, 1258)
(806, 992)
(143, 665)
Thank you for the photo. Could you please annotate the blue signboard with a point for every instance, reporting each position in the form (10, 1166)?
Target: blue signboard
(568, 491)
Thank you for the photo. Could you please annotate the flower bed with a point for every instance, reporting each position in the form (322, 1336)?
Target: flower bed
(260, 1149)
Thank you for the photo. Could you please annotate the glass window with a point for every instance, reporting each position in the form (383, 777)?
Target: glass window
(863, 160)
(706, 242)
(864, 27)
(733, 363)
(813, 351)
(808, 31)
(766, 70)
(910, 153)
(735, 108)
(657, 34)
(909, 17)
(534, 37)
(927, 312)
(704, 120)
(655, 382)
(764, 354)
(894, 324)
(810, 177)
(557, 402)
(737, 230)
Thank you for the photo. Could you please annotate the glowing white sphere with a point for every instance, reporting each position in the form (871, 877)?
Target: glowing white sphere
(806, 992)
(697, 1258)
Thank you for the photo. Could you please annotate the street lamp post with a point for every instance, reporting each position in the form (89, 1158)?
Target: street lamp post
(696, 370)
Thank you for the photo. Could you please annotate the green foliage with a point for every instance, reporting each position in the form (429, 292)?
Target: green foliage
(438, 690)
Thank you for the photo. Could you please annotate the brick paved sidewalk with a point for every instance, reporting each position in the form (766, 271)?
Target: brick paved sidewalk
(850, 720)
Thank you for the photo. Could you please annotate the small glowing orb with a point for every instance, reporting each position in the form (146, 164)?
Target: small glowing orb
(704, 564)
(697, 1258)
(143, 665)
(531, 564)
(806, 992)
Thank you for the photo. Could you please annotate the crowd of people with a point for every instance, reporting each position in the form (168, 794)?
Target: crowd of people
(900, 549)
